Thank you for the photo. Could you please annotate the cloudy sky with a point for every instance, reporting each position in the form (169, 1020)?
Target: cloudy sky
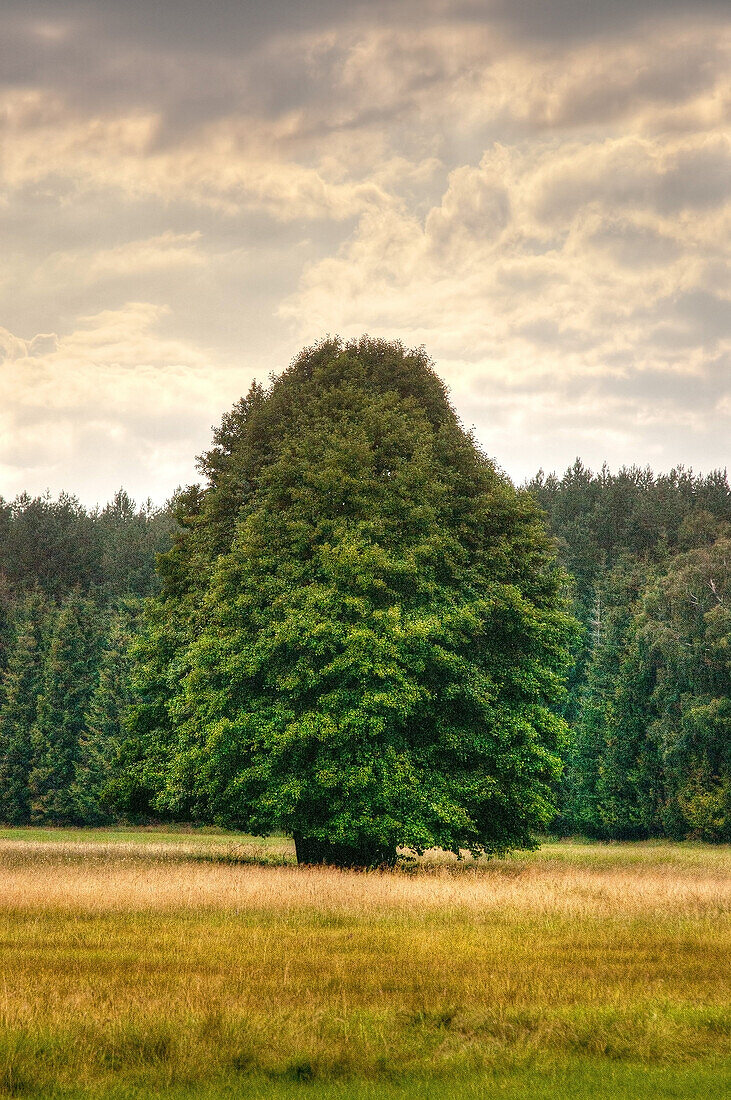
(536, 190)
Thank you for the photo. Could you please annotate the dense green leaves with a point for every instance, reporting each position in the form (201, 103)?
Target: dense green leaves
(651, 752)
(104, 729)
(644, 551)
(60, 547)
(684, 626)
(22, 685)
(68, 579)
(359, 635)
(371, 660)
(69, 677)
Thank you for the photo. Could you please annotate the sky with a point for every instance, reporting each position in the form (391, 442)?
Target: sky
(536, 192)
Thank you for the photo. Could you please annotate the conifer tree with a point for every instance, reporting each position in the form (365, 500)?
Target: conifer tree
(69, 678)
(104, 728)
(628, 788)
(609, 762)
(579, 808)
(6, 628)
(21, 687)
(651, 752)
(684, 623)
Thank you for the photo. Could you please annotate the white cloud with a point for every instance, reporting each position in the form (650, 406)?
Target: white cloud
(231, 165)
(110, 402)
(542, 201)
(544, 282)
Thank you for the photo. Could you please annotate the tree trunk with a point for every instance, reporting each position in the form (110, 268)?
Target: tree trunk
(312, 850)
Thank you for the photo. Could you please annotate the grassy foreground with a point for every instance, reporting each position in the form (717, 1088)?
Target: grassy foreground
(144, 963)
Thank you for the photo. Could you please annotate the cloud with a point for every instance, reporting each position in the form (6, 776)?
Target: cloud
(557, 232)
(11, 347)
(227, 168)
(279, 128)
(111, 401)
(553, 280)
(571, 19)
(137, 259)
(14, 347)
(537, 192)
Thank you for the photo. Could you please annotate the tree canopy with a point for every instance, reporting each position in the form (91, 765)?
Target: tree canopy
(68, 577)
(647, 696)
(367, 622)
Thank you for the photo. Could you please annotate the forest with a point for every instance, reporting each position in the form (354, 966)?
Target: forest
(648, 706)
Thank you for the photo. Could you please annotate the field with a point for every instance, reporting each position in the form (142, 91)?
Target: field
(184, 964)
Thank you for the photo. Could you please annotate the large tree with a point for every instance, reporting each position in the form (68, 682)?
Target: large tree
(369, 626)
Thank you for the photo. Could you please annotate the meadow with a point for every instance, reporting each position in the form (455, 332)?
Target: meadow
(181, 964)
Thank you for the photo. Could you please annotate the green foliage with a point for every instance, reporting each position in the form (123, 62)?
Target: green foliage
(21, 686)
(685, 625)
(651, 752)
(633, 696)
(53, 552)
(372, 623)
(60, 547)
(104, 729)
(6, 630)
(337, 540)
(129, 540)
(134, 790)
(69, 679)
(602, 518)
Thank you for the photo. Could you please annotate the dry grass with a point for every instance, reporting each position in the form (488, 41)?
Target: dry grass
(95, 878)
(164, 965)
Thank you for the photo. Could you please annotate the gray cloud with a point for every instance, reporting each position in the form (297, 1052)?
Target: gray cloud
(580, 19)
(538, 192)
(195, 62)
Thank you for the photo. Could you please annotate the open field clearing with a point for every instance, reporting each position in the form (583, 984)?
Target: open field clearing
(140, 963)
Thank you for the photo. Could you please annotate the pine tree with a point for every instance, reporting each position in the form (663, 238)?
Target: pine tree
(685, 625)
(21, 687)
(104, 730)
(629, 782)
(69, 678)
(605, 774)
(6, 627)
(579, 790)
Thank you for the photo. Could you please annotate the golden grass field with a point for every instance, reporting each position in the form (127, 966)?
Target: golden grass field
(194, 964)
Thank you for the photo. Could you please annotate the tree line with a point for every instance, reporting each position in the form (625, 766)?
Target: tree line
(649, 699)
(93, 651)
(72, 586)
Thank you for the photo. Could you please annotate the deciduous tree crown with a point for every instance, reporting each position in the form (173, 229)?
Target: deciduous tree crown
(362, 629)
